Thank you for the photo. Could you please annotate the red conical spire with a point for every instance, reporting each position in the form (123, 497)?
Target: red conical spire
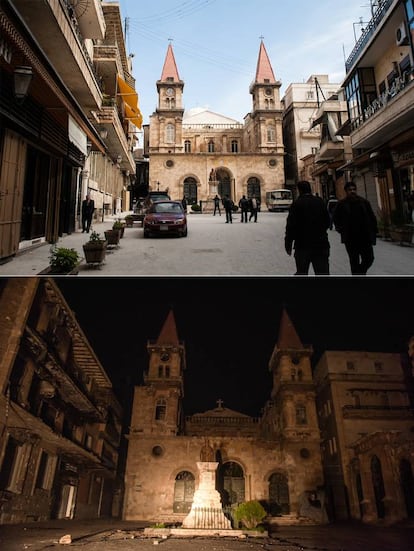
(264, 71)
(288, 338)
(168, 334)
(170, 70)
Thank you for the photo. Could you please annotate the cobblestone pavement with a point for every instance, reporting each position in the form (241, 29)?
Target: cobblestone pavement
(120, 536)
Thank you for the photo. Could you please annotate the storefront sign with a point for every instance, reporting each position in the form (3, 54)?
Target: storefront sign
(77, 136)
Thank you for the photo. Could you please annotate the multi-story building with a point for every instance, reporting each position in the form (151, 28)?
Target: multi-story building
(67, 111)
(275, 458)
(379, 87)
(334, 150)
(366, 420)
(60, 423)
(198, 153)
(301, 138)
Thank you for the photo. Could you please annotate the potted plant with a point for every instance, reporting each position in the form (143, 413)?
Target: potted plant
(112, 236)
(63, 260)
(95, 249)
(129, 221)
(118, 225)
(195, 207)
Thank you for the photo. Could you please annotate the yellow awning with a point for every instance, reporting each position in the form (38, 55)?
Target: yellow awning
(133, 115)
(130, 98)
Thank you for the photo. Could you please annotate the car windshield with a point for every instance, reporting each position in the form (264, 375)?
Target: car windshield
(173, 208)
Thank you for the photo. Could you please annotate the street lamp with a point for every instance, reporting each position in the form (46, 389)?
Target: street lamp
(23, 75)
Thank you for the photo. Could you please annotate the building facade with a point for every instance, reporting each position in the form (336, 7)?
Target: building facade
(301, 137)
(379, 87)
(198, 153)
(275, 458)
(68, 109)
(366, 419)
(60, 425)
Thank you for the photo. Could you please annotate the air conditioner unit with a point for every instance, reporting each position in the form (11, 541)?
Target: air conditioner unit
(401, 36)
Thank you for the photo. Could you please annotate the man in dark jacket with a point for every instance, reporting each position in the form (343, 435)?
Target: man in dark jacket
(357, 224)
(88, 207)
(306, 227)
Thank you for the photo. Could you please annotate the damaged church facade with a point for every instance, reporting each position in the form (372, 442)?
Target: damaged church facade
(333, 442)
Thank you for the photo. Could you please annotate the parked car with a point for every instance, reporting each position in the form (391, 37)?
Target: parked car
(154, 196)
(165, 218)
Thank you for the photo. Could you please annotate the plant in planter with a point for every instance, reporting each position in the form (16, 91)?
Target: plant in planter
(63, 260)
(129, 221)
(112, 236)
(249, 514)
(95, 249)
(195, 207)
(118, 225)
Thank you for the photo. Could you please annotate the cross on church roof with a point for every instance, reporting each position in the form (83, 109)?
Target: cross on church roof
(219, 403)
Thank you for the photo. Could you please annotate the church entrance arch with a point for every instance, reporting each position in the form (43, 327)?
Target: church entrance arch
(190, 190)
(223, 178)
(231, 483)
(278, 494)
(407, 484)
(183, 492)
(253, 188)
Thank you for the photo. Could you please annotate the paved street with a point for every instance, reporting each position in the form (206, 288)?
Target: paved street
(211, 248)
(120, 535)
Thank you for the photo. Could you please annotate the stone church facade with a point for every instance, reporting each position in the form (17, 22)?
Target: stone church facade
(275, 458)
(198, 153)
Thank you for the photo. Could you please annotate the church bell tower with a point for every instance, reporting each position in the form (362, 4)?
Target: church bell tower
(157, 405)
(166, 122)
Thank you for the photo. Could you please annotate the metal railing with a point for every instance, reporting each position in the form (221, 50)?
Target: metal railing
(378, 16)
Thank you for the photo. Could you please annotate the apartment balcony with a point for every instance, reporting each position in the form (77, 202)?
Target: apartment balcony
(108, 61)
(59, 31)
(117, 143)
(377, 412)
(385, 118)
(329, 151)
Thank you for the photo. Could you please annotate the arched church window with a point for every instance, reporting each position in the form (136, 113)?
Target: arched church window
(160, 409)
(183, 492)
(234, 146)
(231, 483)
(211, 146)
(253, 188)
(378, 484)
(170, 133)
(187, 146)
(160, 371)
(278, 494)
(271, 133)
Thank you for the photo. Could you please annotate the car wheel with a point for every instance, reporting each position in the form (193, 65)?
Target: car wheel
(146, 233)
(184, 234)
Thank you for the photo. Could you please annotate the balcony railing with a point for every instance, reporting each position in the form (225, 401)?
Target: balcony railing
(368, 33)
(213, 127)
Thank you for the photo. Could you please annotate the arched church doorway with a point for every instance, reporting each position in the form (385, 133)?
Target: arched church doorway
(378, 485)
(190, 190)
(183, 492)
(278, 494)
(224, 183)
(253, 188)
(407, 485)
(231, 483)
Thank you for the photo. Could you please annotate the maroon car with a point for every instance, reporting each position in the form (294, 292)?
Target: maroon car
(165, 218)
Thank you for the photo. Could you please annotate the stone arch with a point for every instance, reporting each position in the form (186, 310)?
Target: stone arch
(225, 182)
(184, 486)
(231, 482)
(190, 185)
(378, 485)
(407, 485)
(278, 501)
(253, 186)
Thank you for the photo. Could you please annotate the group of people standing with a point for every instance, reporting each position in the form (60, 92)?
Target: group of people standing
(246, 206)
(309, 219)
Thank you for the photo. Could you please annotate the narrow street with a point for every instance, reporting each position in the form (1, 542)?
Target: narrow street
(212, 248)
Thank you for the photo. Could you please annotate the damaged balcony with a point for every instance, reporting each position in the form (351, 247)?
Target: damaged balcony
(61, 31)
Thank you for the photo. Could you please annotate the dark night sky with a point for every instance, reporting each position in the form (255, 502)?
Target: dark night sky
(230, 326)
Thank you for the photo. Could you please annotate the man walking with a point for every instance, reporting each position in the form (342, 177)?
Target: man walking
(216, 205)
(253, 209)
(306, 227)
(88, 207)
(228, 207)
(356, 222)
(244, 207)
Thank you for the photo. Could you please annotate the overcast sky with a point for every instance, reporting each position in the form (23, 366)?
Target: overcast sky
(216, 45)
(230, 326)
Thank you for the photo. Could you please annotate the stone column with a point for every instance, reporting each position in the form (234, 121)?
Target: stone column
(206, 509)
